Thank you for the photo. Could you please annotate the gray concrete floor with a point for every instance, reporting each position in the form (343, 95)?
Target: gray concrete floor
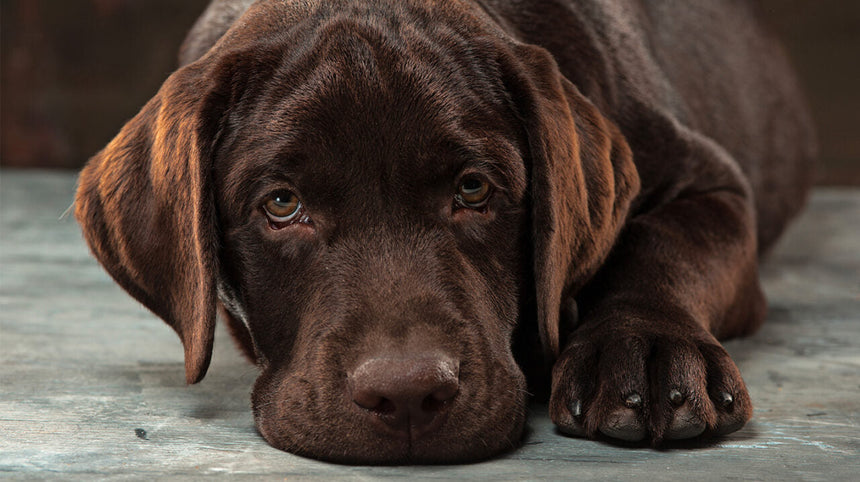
(91, 384)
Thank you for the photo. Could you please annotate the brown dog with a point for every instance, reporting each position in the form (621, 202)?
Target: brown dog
(405, 205)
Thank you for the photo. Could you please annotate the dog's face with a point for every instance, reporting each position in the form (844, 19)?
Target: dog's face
(373, 217)
(376, 203)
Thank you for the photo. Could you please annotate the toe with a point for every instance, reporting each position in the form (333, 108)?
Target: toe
(570, 421)
(620, 407)
(681, 407)
(573, 383)
(731, 416)
(727, 391)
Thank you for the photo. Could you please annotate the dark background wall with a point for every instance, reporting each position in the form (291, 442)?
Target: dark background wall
(72, 71)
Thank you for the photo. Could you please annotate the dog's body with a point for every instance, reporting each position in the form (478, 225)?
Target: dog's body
(385, 195)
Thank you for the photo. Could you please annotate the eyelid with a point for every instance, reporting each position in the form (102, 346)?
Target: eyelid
(487, 171)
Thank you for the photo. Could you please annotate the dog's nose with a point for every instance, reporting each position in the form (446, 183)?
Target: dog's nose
(410, 395)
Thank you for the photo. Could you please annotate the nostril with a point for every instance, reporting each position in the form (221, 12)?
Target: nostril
(432, 404)
(380, 405)
(439, 398)
(374, 402)
(385, 407)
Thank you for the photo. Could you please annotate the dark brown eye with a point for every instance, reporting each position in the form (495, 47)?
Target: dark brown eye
(283, 207)
(473, 192)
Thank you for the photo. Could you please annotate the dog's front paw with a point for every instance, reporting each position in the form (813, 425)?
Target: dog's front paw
(635, 385)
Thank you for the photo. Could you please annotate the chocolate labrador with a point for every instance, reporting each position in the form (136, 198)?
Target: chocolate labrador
(412, 212)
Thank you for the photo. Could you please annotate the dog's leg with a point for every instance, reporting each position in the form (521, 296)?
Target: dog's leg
(644, 361)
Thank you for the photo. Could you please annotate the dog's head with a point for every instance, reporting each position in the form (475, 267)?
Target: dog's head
(377, 196)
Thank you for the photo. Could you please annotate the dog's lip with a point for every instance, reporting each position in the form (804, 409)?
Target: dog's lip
(365, 445)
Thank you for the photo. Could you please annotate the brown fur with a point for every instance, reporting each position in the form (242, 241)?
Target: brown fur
(642, 157)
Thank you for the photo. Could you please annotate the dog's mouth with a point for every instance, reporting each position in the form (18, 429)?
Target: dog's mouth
(393, 412)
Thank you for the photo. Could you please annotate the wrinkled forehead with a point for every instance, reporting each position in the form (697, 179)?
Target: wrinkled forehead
(371, 93)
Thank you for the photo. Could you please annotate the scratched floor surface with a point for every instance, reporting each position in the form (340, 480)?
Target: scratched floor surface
(91, 384)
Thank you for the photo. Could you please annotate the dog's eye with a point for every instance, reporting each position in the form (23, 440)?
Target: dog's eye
(473, 192)
(283, 207)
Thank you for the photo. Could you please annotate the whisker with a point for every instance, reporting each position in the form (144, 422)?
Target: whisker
(67, 212)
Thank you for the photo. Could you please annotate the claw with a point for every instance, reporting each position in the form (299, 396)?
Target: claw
(633, 400)
(725, 399)
(676, 397)
(575, 408)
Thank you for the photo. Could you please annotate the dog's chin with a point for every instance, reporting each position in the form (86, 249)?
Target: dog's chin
(336, 430)
(443, 447)
(397, 452)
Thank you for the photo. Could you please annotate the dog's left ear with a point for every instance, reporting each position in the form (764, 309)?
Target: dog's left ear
(582, 182)
(146, 209)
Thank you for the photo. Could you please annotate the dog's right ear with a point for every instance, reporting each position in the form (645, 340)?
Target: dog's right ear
(583, 181)
(146, 207)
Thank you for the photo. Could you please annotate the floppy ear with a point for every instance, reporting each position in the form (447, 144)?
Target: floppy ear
(145, 205)
(582, 182)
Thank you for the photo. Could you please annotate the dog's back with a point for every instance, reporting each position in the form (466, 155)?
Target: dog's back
(731, 80)
(710, 66)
